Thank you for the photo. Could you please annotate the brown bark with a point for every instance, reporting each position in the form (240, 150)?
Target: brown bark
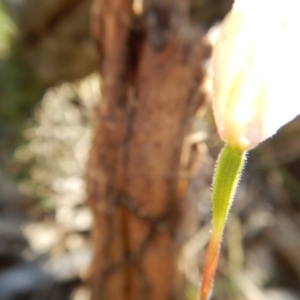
(55, 36)
(151, 71)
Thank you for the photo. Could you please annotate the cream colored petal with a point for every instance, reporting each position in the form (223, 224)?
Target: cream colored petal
(255, 63)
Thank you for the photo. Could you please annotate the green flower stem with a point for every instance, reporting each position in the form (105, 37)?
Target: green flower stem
(227, 175)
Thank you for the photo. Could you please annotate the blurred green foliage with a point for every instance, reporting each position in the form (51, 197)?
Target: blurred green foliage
(19, 88)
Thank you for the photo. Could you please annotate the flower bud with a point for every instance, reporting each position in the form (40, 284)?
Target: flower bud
(256, 65)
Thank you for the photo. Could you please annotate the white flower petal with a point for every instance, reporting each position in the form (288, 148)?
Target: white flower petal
(256, 63)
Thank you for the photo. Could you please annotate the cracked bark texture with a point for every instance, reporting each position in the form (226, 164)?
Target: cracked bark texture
(151, 73)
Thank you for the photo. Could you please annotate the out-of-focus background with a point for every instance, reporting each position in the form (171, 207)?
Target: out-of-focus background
(49, 87)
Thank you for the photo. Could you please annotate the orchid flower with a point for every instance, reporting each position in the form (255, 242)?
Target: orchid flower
(256, 62)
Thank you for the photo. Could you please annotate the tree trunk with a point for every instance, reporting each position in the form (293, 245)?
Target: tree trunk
(151, 72)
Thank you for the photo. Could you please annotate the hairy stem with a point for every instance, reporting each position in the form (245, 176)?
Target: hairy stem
(227, 175)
